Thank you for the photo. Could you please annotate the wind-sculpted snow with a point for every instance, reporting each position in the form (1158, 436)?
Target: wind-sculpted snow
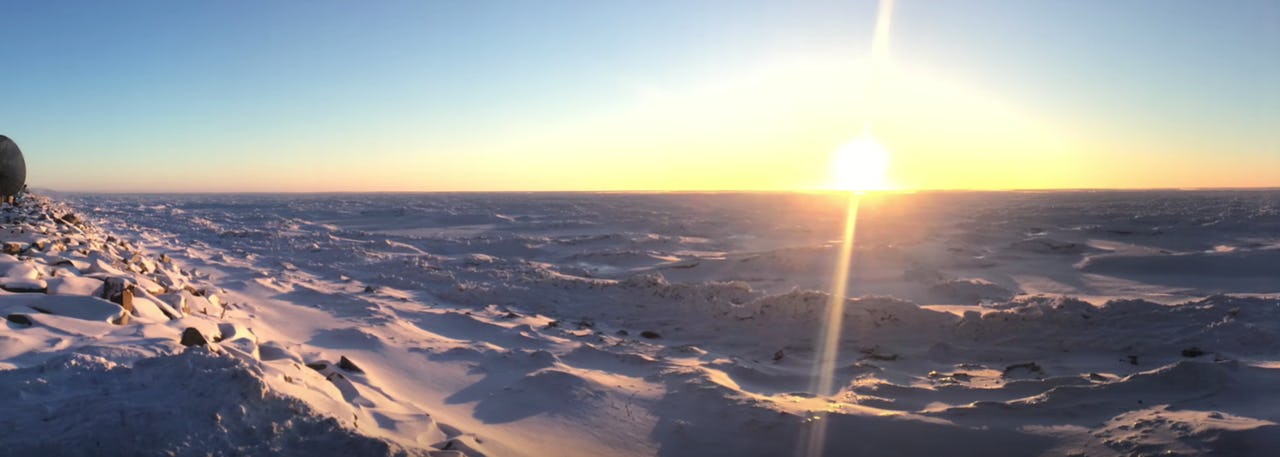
(1070, 323)
(192, 403)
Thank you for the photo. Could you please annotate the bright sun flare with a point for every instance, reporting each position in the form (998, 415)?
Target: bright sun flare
(860, 164)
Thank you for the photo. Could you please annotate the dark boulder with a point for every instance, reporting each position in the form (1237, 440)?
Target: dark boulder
(13, 169)
(193, 337)
(346, 364)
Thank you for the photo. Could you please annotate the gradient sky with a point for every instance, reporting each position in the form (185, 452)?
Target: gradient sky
(631, 95)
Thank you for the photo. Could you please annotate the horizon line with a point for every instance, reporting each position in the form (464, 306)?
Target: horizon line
(653, 191)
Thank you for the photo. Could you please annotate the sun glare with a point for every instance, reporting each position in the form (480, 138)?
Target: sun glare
(860, 164)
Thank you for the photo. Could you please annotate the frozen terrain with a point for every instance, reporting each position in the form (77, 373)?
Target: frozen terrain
(1070, 323)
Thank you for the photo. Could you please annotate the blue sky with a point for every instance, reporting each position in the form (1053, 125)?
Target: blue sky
(321, 96)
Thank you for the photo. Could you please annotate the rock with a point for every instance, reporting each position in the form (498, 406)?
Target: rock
(369, 289)
(650, 334)
(1192, 352)
(347, 365)
(113, 288)
(1030, 367)
(777, 356)
(13, 169)
(126, 301)
(20, 319)
(317, 366)
(13, 248)
(193, 337)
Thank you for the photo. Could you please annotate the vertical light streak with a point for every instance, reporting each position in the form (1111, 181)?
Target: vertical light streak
(813, 439)
(833, 319)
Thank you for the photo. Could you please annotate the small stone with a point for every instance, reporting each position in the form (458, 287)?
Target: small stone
(317, 366)
(193, 337)
(369, 289)
(623, 333)
(650, 334)
(20, 319)
(1192, 352)
(347, 365)
(777, 356)
(1031, 367)
(13, 248)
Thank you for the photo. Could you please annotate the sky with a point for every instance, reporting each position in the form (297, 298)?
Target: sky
(234, 96)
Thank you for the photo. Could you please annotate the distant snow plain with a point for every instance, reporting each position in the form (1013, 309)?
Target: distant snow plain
(684, 324)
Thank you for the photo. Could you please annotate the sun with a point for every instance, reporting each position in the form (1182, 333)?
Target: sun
(860, 164)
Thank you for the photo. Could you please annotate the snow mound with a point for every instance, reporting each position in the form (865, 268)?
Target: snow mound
(193, 403)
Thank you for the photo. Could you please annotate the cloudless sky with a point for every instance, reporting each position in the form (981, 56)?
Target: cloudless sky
(652, 95)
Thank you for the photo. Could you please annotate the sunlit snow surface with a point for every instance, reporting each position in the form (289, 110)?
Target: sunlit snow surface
(985, 327)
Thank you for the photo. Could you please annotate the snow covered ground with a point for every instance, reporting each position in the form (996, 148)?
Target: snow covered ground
(1067, 323)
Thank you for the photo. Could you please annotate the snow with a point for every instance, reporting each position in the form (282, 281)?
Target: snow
(1070, 323)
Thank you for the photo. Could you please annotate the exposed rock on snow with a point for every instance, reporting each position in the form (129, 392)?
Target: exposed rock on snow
(94, 365)
(192, 337)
